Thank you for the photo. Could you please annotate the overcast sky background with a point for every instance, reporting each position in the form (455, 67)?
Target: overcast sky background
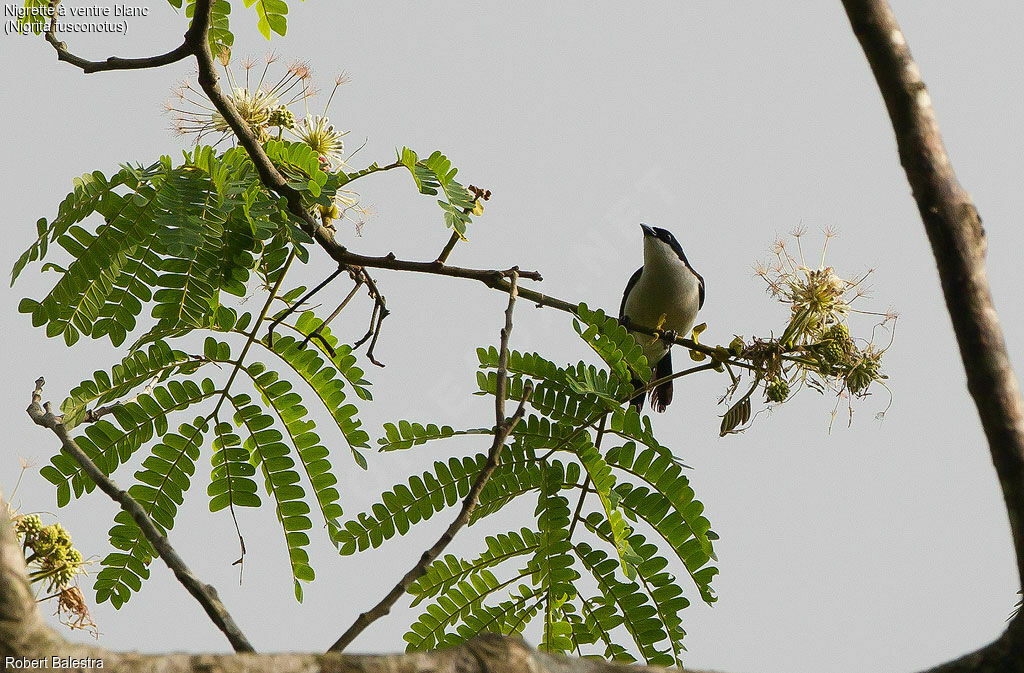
(881, 547)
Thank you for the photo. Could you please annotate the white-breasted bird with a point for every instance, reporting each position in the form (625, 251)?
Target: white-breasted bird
(665, 293)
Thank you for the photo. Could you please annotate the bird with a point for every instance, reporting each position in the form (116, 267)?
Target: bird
(664, 294)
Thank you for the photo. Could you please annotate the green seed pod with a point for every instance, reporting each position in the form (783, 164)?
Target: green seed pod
(736, 346)
(777, 390)
(833, 352)
(838, 332)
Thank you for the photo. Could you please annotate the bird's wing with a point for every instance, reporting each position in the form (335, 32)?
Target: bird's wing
(629, 286)
(700, 280)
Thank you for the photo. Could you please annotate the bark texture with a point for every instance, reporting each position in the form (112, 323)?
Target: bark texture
(958, 243)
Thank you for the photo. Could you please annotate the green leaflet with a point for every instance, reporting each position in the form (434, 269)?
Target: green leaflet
(76, 301)
(406, 505)
(157, 363)
(301, 166)
(461, 601)
(88, 191)
(445, 573)
(658, 467)
(220, 36)
(343, 360)
(613, 343)
(271, 15)
(549, 398)
(675, 528)
(110, 445)
(596, 624)
(231, 483)
(164, 478)
(313, 455)
(436, 173)
(639, 617)
(329, 388)
(660, 586)
(552, 563)
(518, 473)
(178, 237)
(506, 617)
(269, 453)
(406, 435)
(33, 18)
(603, 481)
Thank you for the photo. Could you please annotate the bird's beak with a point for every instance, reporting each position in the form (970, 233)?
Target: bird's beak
(648, 231)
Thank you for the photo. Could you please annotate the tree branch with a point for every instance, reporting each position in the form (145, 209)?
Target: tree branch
(204, 593)
(958, 243)
(179, 53)
(502, 429)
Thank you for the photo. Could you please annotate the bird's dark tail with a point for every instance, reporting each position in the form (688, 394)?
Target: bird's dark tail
(661, 396)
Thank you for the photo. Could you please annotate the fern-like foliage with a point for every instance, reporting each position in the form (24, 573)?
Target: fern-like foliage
(609, 593)
(231, 483)
(110, 445)
(160, 489)
(408, 504)
(660, 587)
(270, 454)
(160, 253)
(434, 174)
(180, 237)
(272, 16)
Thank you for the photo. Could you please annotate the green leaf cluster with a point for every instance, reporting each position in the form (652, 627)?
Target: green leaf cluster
(185, 241)
(172, 237)
(602, 485)
(436, 174)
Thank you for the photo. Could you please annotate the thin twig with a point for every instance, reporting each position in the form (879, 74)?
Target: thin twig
(502, 429)
(294, 307)
(448, 247)
(204, 593)
(380, 311)
(369, 330)
(316, 333)
(383, 313)
(179, 53)
(478, 195)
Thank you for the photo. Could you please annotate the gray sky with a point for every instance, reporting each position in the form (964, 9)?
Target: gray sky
(881, 547)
